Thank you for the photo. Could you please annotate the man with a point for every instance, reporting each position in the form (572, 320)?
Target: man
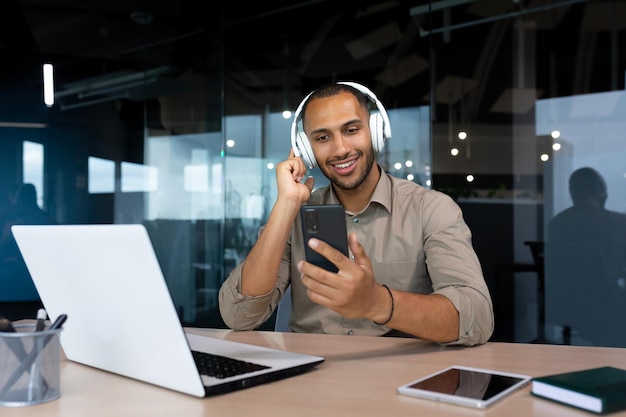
(412, 268)
(588, 222)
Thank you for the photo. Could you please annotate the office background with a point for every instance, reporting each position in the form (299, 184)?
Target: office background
(170, 113)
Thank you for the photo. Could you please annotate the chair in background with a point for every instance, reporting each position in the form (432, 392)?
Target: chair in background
(581, 297)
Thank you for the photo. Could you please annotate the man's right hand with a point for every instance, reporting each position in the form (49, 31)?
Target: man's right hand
(289, 176)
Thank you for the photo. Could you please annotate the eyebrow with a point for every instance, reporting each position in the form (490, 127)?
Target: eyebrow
(349, 122)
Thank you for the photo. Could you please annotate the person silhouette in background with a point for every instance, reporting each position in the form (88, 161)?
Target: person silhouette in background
(22, 209)
(588, 222)
(25, 207)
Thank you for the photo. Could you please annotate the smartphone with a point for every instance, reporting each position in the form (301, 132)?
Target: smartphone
(326, 223)
(462, 385)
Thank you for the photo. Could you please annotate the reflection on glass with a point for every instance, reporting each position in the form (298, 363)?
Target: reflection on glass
(101, 175)
(584, 217)
(585, 261)
(197, 178)
(591, 129)
(139, 178)
(32, 157)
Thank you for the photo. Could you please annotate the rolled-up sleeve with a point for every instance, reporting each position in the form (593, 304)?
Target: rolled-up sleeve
(455, 270)
(245, 312)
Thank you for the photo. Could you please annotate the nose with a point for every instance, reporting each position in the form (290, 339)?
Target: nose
(341, 145)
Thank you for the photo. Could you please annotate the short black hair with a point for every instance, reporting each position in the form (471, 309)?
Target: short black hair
(333, 89)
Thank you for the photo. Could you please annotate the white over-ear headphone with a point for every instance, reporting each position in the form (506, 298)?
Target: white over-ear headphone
(380, 127)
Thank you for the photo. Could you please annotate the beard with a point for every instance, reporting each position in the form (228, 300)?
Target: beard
(363, 173)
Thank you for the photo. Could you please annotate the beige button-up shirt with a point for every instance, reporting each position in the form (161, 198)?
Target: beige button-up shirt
(417, 241)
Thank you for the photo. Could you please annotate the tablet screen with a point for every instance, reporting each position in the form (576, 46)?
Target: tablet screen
(466, 386)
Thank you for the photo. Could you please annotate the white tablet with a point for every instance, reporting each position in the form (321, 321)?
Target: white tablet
(462, 385)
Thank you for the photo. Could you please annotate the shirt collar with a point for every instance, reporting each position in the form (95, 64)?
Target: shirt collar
(381, 195)
(383, 191)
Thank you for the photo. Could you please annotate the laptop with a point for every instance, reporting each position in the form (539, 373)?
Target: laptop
(121, 316)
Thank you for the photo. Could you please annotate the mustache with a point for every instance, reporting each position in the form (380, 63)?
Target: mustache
(356, 154)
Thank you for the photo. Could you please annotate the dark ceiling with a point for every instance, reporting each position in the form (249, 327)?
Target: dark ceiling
(279, 50)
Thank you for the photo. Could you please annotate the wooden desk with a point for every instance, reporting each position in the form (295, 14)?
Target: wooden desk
(358, 378)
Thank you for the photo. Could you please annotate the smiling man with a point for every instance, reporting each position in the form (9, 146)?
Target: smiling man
(412, 269)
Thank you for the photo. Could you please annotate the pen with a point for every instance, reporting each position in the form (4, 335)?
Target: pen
(35, 371)
(41, 318)
(57, 323)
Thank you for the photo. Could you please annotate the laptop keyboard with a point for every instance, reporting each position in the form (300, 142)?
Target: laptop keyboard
(222, 367)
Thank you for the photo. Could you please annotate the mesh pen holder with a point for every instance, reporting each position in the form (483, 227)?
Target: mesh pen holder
(29, 366)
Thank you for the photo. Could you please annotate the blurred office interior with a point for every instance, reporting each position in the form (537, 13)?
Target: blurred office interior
(169, 113)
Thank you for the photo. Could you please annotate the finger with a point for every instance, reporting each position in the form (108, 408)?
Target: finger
(295, 166)
(358, 251)
(310, 182)
(333, 255)
(321, 285)
(312, 273)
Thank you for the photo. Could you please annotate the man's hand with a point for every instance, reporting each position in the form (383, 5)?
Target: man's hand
(289, 176)
(352, 291)
(259, 272)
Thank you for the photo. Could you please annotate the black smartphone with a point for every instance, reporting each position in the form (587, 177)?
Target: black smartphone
(326, 223)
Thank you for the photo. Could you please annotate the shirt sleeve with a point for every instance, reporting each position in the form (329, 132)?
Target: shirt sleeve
(455, 269)
(244, 312)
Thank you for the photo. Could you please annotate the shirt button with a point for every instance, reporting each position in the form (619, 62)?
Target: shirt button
(350, 332)
(355, 220)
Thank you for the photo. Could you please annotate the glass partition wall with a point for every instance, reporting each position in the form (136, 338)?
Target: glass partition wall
(173, 116)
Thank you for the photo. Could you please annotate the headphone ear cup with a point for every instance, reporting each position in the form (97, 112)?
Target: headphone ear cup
(302, 141)
(377, 131)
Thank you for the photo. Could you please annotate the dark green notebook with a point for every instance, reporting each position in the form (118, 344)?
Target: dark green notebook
(600, 390)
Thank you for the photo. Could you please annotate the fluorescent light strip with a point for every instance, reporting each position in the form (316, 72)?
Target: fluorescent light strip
(48, 85)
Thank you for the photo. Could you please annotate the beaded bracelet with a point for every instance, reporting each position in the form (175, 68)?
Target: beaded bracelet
(392, 306)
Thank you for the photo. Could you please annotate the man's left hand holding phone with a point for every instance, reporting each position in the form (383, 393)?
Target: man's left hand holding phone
(335, 280)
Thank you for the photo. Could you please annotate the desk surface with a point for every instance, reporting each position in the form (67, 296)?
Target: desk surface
(359, 377)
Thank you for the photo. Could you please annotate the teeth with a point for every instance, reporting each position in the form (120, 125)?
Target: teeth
(347, 164)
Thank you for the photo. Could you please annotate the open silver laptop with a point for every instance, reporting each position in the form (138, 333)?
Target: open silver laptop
(121, 317)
